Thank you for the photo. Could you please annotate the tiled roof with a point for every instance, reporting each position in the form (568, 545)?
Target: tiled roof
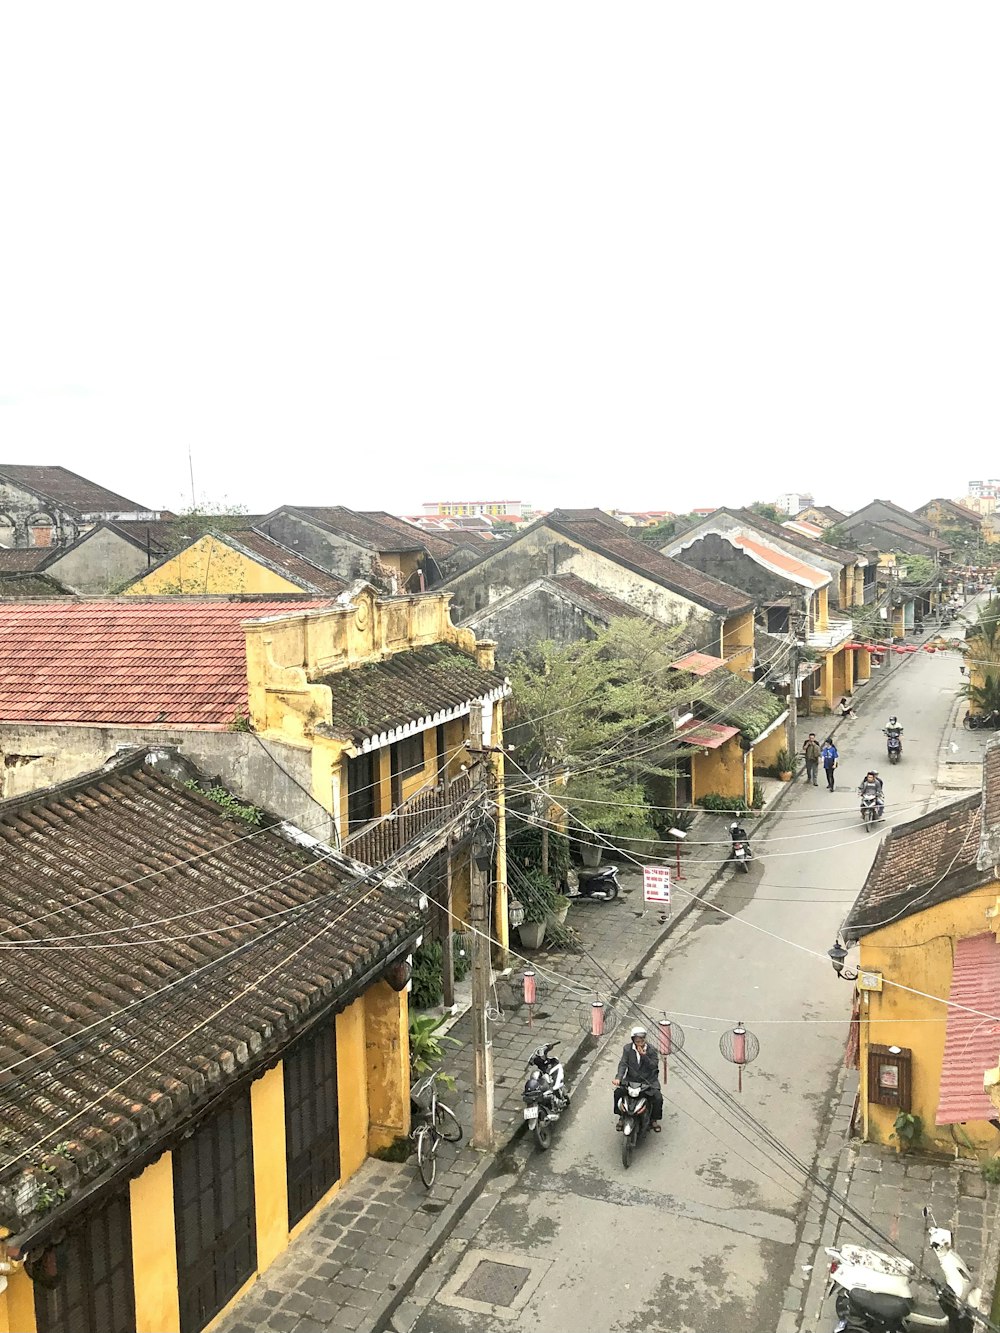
(156, 535)
(780, 562)
(958, 511)
(309, 577)
(918, 864)
(833, 514)
(225, 947)
(609, 538)
(606, 606)
(778, 530)
(128, 661)
(408, 687)
(707, 735)
(728, 698)
(971, 1041)
(434, 543)
(19, 560)
(30, 585)
(361, 528)
(69, 490)
(921, 538)
(698, 664)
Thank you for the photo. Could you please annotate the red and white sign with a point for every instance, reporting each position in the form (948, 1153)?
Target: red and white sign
(656, 884)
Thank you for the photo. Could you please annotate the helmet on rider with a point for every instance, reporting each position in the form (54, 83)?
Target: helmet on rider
(892, 720)
(637, 1032)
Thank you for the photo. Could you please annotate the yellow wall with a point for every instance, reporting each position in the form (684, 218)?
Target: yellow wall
(270, 1183)
(17, 1305)
(737, 644)
(154, 1248)
(765, 752)
(209, 565)
(387, 1046)
(352, 1073)
(918, 952)
(720, 770)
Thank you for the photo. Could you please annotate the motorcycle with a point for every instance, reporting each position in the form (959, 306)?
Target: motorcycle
(977, 721)
(894, 743)
(873, 1292)
(871, 808)
(635, 1109)
(742, 854)
(600, 883)
(545, 1095)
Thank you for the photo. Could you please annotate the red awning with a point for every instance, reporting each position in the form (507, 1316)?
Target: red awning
(972, 1042)
(707, 735)
(699, 664)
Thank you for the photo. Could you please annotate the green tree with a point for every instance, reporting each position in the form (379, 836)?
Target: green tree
(919, 571)
(767, 510)
(601, 710)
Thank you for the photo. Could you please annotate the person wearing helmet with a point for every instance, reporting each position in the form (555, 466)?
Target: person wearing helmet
(639, 1065)
(737, 833)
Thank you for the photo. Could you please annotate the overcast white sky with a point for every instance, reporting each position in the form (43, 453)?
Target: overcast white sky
(646, 255)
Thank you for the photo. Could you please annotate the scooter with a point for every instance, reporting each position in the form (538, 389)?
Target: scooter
(977, 721)
(545, 1094)
(742, 855)
(871, 808)
(600, 883)
(635, 1109)
(894, 743)
(873, 1292)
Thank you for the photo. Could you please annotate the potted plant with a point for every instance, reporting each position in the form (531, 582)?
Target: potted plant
(538, 896)
(560, 910)
(591, 853)
(785, 765)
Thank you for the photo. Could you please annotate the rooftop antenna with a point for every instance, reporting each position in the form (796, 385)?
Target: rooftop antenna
(194, 503)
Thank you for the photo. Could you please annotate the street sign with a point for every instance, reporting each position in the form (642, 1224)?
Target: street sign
(656, 884)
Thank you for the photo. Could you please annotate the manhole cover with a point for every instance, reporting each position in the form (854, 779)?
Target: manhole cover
(496, 1284)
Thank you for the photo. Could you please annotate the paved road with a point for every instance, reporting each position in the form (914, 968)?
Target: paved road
(700, 1234)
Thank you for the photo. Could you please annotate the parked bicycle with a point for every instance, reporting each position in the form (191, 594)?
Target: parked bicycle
(432, 1123)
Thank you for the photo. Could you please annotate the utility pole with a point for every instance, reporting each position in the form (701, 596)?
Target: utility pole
(482, 966)
(793, 668)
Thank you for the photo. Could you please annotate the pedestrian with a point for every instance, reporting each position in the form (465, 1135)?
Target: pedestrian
(830, 757)
(812, 752)
(846, 709)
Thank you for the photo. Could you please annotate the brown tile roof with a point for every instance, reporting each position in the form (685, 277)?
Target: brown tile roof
(958, 511)
(606, 606)
(609, 538)
(408, 687)
(810, 544)
(918, 864)
(130, 661)
(310, 577)
(434, 543)
(358, 527)
(156, 535)
(30, 585)
(69, 490)
(19, 560)
(834, 514)
(921, 538)
(158, 950)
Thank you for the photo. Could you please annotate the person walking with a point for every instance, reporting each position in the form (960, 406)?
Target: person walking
(830, 756)
(812, 752)
(846, 709)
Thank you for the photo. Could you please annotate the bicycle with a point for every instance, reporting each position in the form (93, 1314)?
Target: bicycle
(437, 1122)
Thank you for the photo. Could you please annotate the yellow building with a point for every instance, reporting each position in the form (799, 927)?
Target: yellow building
(187, 1101)
(245, 562)
(926, 922)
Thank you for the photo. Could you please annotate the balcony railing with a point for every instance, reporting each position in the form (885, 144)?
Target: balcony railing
(838, 631)
(420, 814)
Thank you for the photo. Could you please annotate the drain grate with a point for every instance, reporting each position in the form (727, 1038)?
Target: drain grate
(493, 1283)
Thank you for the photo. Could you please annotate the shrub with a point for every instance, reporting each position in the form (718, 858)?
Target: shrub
(784, 762)
(538, 894)
(427, 989)
(991, 1171)
(757, 800)
(665, 820)
(426, 1044)
(723, 804)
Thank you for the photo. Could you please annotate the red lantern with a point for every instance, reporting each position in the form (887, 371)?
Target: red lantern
(740, 1048)
(529, 987)
(929, 648)
(597, 1018)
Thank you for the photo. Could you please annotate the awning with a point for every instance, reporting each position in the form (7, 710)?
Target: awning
(706, 735)
(699, 664)
(972, 1041)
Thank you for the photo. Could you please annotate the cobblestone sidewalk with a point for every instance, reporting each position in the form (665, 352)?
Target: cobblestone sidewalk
(357, 1262)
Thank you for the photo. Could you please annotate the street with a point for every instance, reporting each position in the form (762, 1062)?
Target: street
(701, 1233)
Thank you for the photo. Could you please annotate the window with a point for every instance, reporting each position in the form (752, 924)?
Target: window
(407, 759)
(214, 1213)
(362, 790)
(312, 1122)
(95, 1290)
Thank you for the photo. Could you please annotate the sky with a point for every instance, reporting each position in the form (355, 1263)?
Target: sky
(654, 255)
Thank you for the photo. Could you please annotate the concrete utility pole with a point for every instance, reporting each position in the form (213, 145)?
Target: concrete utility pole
(793, 668)
(480, 879)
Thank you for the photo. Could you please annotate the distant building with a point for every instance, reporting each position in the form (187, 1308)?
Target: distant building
(985, 489)
(506, 509)
(793, 502)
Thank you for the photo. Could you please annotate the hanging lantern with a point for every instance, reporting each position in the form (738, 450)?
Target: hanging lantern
(398, 974)
(929, 648)
(671, 1040)
(597, 1018)
(530, 993)
(740, 1048)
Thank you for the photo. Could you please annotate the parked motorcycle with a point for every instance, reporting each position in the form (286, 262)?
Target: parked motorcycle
(978, 721)
(600, 883)
(545, 1094)
(635, 1110)
(894, 743)
(873, 1292)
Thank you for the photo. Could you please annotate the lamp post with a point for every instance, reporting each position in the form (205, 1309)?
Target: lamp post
(837, 955)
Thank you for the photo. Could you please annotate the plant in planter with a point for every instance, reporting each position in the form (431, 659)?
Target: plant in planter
(723, 805)
(427, 1043)
(757, 800)
(784, 762)
(538, 894)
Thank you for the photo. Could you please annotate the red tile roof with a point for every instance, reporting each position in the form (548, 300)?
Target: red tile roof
(699, 664)
(972, 1041)
(707, 735)
(130, 661)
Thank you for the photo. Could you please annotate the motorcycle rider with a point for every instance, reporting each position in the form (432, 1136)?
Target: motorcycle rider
(893, 733)
(872, 785)
(738, 833)
(639, 1065)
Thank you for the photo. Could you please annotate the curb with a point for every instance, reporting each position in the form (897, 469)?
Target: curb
(578, 1060)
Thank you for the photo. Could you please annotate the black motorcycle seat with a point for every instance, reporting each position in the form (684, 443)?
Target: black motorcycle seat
(892, 1309)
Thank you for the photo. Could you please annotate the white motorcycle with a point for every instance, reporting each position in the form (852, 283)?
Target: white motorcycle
(545, 1094)
(873, 1292)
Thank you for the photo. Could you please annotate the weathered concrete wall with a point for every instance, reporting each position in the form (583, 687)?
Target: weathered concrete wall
(36, 756)
(28, 520)
(542, 552)
(325, 549)
(101, 563)
(537, 617)
(714, 555)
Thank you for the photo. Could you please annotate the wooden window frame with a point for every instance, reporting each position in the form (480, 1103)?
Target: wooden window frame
(312, 1120)
(881, 1091)
(96, 1249)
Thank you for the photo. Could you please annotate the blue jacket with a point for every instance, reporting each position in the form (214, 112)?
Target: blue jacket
(830, 755)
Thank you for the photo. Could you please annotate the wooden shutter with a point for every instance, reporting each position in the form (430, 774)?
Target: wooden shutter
(312, 1120)
(95, 1291)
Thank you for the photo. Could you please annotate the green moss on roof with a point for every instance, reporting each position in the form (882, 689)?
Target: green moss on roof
(730, 699)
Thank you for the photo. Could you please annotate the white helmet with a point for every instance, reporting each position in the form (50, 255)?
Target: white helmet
(637, 1032)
